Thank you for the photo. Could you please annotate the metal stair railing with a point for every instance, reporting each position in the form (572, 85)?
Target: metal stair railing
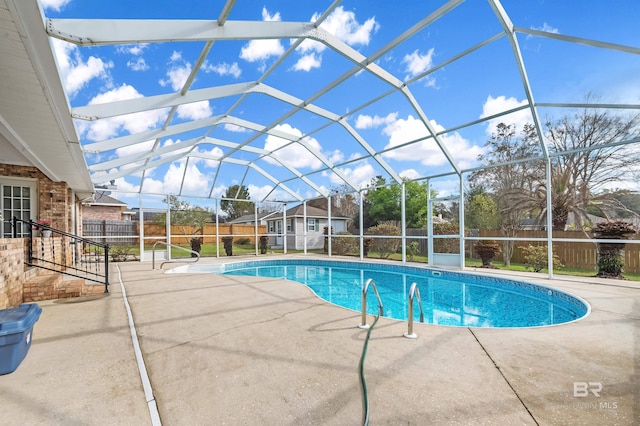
(59, 251)
(153, 254)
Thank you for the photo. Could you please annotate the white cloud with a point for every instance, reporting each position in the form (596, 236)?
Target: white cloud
(410, 174)
(308, 62)
(417, 63)
(547, 28)
(342, 24)
(195, 182)
(131, 123)
(177, 76)
(138, 148)
(258, 193)
(501, 103)
(261, 50)
(137, 64)
(75, 72)
(223, 69)
(195, 110)
(132, 49)
(235, 128)
(368, 122)
(56, 5)
(360, 173)
(294, 155)
(405, 130)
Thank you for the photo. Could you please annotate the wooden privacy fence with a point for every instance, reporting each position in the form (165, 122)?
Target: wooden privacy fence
(117, 232)
(112, 232)
(571, 254)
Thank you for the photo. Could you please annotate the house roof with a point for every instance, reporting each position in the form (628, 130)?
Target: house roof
(298, 211)
(100, 199)
(251, 217)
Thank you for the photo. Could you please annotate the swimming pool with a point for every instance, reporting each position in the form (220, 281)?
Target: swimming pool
(448, 298)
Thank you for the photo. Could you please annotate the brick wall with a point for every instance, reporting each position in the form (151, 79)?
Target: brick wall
(55, 199)
(102, 212)
(11, 272)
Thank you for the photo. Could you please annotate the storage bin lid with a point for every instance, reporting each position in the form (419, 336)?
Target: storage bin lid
(17, 320)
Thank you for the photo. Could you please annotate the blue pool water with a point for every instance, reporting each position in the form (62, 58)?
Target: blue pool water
(448, 298)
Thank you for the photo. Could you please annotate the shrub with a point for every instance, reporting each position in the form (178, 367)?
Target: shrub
(412, 249)
(446, 245)
(385, 246)
(343, 245)
(610, 259)
(243, 241)
(487, 250)
(119, 253)
(536, 258)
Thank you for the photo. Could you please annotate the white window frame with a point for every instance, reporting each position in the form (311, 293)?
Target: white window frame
(289, 225)
(32, 184)
(313, 225)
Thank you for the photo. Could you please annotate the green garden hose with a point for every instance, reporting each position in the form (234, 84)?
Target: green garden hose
(365, 421)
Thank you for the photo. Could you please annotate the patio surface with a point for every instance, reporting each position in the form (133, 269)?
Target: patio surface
(254, 351)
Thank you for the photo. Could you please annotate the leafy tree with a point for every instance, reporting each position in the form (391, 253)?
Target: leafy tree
(232, 203)
(384, 202)
(481, 211)
(185, 215)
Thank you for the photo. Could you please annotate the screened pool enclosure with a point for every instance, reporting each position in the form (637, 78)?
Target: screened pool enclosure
(408, 130)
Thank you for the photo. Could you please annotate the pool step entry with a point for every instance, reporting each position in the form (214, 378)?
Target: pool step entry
(414, 294)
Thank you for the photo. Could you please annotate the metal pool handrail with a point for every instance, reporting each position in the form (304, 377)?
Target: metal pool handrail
(413, 291)
(153, 254)
(364, 302)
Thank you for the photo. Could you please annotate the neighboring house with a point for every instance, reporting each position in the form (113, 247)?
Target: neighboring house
(105, 207)
(316, 221)
(250, 219)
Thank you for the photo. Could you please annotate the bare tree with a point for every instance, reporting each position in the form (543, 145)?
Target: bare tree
(588, 155)
(507, 175)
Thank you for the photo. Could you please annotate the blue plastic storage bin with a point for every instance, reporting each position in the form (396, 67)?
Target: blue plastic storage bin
(16, 334)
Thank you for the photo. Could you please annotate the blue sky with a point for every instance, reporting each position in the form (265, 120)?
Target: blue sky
(482, 83)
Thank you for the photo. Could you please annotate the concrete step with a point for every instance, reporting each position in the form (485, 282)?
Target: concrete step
(58, 286)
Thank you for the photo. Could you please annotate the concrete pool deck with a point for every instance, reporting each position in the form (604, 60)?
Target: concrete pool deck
(249, 350)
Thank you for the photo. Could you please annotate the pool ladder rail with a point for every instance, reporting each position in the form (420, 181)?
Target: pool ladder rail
(365, 288)
(153, 255)
(414, 293)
